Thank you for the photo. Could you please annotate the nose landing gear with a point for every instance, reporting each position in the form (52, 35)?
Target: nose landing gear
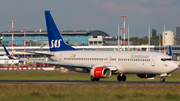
(162, 79)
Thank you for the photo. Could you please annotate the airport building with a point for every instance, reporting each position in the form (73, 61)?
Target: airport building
(71, 37)
(36, 38)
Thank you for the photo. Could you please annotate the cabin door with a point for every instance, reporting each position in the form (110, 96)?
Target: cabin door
(153, 61)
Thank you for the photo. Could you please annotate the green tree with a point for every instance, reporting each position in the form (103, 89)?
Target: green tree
(154, 38)
(135, 40)
(143, 40)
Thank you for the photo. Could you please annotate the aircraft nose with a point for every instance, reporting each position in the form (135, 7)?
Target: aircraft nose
(175, 65)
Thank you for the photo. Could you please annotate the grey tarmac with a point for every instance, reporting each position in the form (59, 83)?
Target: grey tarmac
(80, 82)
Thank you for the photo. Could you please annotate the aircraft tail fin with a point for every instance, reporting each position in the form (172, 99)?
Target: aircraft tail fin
(56, 42)
(7, 53)
(170, 52)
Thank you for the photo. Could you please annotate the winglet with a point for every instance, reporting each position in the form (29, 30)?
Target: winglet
(7, 53)
(56, 42)
(170, 52)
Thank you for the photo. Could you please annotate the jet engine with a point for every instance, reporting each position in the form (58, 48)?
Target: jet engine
(100, 72)
(146, 75)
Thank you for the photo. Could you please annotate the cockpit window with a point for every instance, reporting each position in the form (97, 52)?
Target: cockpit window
(166, 59)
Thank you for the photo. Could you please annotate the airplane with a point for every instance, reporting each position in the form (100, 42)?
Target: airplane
(102, 64)
(8, 60)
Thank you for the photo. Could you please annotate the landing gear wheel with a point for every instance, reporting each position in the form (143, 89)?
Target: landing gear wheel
(162, 79)
(121, 78)
(97, 79)
(94, 79)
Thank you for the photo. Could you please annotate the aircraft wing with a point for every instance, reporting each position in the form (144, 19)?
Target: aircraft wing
(42, 53)
(59, 63)
(68, 65)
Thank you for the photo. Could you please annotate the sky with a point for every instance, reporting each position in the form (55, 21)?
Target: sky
(104, 15)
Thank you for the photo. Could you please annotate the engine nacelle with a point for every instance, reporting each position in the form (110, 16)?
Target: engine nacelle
(146, 75)
(100, 72)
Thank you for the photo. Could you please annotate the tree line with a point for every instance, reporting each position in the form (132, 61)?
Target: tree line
(154, 39)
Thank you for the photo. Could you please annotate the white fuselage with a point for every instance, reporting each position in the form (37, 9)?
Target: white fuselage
(4, 60)
(128, 62)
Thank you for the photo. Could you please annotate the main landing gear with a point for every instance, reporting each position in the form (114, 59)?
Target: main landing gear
(162, 79)
(94, 78)
(121, 77)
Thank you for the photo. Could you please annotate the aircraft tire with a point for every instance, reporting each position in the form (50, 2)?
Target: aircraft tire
(97, 79)
(119, 77)
(162, 79)
(123, 78)
(94, 78)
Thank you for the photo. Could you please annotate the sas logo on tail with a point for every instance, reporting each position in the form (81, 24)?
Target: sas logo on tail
(55, 43)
